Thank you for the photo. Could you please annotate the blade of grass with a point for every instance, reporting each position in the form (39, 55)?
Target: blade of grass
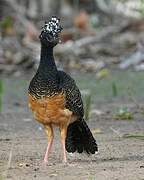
(137, 136)
(88, 106)
(1, 91)
(114, 89)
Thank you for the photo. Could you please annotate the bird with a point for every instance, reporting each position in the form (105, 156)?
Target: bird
(55, 99)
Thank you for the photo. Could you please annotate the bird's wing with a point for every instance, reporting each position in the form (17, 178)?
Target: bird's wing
(73, 96)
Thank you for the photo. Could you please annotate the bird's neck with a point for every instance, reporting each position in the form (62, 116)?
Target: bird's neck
(47, 63)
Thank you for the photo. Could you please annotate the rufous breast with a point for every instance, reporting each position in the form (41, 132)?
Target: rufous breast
(50, 109)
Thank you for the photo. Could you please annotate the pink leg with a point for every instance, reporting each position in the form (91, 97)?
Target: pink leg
(49, 131)
(64, 151)
(48, 150)
(63, 131)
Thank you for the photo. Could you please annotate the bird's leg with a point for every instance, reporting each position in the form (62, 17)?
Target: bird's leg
(50, 134)
(63, 132)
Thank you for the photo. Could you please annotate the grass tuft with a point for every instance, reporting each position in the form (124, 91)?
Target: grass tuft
(88, 102)
(123, 114)
(1, 92)
(114, 90)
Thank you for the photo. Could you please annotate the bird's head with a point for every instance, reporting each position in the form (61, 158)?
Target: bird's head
(49, 36)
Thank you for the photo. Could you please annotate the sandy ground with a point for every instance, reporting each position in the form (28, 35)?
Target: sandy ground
(23, 142)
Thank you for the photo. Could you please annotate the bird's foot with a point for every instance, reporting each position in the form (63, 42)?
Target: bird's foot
(65, 163)
(45, 163)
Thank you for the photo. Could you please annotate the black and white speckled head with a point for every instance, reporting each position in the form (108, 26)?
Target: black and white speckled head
(50, 32)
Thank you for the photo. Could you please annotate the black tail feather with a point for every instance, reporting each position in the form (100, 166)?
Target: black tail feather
(79, 138)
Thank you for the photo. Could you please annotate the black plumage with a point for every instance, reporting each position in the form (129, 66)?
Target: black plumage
(79, 137)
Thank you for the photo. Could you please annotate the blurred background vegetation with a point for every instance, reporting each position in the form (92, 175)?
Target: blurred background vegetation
(102, 46)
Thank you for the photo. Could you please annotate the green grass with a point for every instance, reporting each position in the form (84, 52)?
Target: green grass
(114, 89)
(118, 84)
(139, 136)
(87, 104)
(123, 113)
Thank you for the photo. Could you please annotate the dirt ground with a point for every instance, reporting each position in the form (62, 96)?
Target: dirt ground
(23, 143)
